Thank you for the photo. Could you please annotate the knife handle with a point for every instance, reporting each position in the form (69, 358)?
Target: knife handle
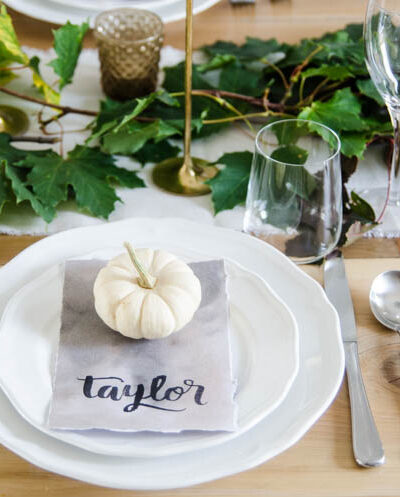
(367, 446)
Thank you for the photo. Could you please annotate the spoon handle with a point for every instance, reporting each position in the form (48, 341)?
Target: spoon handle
(367, 445)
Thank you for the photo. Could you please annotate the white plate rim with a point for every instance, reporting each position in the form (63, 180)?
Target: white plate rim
(43, 445)
(48, 11)
(210, 439)
(118, 4)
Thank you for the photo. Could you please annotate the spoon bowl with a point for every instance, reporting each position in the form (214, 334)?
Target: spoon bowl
(384, 299)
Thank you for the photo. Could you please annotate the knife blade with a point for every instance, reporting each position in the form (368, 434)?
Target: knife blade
(367, 445)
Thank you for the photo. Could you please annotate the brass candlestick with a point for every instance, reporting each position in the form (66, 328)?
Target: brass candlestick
(185, 175)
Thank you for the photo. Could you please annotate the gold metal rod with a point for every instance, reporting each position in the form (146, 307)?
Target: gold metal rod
(188, 84)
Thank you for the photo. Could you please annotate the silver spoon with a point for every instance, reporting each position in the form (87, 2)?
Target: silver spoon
(384, 299)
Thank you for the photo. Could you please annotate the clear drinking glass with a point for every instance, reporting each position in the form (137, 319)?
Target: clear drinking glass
(382, 47)
(294, 198)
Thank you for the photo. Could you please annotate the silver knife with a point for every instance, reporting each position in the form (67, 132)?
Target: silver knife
(367, 446)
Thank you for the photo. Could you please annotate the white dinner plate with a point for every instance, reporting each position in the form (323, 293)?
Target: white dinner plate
(265, 357)
(51, 11)
(100, 5)
(319, 377)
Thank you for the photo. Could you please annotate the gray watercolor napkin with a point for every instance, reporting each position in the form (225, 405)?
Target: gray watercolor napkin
(107, 381)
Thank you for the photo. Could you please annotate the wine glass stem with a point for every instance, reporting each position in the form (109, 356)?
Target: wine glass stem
(394, 181)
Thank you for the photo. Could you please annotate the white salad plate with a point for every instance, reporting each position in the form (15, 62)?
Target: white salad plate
(319, 376)
(264, 340)
(60, 13)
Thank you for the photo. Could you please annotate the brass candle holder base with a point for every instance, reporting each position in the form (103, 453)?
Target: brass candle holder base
(175, 176)
(12, 120)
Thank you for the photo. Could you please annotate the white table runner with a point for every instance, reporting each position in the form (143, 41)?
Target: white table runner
(85, 93)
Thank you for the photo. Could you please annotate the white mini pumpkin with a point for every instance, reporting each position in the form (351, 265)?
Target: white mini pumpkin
(146, 293)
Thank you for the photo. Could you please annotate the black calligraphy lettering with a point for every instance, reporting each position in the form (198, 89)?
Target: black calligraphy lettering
(92, 389)
(156, 385)
(199, 391)
(179, 391)
(138, 397)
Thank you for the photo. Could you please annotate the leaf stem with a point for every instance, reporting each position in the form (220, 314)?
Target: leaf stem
(258, 102)
(295, 74)
(224, 103)
(278, 70)
(35, 139)
(245, 116)
(313, 94)
(65, 109)
(145, 279)
(14, 68)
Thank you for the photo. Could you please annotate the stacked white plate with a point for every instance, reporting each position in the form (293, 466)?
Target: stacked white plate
(76, 11)
(287, 356)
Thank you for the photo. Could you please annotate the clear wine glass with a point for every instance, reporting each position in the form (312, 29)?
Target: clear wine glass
(382, 48)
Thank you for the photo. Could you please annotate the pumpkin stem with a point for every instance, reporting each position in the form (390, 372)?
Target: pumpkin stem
(145, 279)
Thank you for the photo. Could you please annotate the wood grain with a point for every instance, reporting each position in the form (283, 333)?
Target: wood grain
(287, 20)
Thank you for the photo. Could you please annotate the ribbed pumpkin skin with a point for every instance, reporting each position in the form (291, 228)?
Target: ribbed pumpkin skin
(138, 312)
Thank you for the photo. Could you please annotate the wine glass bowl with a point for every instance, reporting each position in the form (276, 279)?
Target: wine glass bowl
(382, 57)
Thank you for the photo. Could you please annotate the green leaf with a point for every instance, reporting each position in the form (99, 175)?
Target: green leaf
(221, 48)
(353, 144)
(296, 54)
(340, 47)
(156, 152)
(367, 88)
(290, 154)
(174, 80)
(5, 191)
(341, 113)
(167, 99)
(48, 177)
(141, 105)
(13, 155)
(216, 62)
(229, 187)
(355, 31)
(10, 49)
(87, 171)
(130, 138)
(22, 192)
(6, 77)
(252, 49)
(46, 90)
(114, 116)
(68, 45)
(361, 208)
(234, 78)
(334, 73)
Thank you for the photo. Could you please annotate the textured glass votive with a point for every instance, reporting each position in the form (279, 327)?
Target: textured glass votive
(129, 43)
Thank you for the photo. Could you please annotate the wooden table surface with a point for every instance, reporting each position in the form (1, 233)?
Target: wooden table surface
(321, 464)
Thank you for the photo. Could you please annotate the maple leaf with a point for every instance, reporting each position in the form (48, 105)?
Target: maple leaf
(5, 191)
(229, 187)
(156, 152)
(87, 170)
(10, 49)
(50, 95)
(23, 192)
(341, 112)
(68, 45)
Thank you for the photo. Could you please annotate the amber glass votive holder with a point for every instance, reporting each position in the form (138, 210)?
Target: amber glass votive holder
(129, 43)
